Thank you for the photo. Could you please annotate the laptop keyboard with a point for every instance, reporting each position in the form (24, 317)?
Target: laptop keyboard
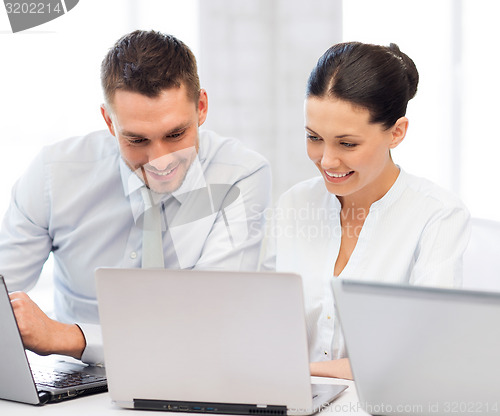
(59, 379)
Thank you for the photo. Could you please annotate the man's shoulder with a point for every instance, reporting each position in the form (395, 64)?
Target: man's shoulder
(216, 150)
(91, 147)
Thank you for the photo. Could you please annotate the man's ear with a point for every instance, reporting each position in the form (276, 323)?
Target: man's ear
(202, 107)
(398, 132)
(107, 119)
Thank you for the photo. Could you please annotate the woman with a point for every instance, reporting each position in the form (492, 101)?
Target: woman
(364, 218)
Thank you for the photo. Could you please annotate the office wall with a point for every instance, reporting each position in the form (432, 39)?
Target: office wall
(452, 139)
(49, 80)
(255, 58)
(49, 77)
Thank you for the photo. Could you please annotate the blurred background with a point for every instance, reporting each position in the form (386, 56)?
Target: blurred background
(254, 58)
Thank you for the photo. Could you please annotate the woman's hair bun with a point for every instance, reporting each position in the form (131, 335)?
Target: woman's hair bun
(409, 68)
(379, 78)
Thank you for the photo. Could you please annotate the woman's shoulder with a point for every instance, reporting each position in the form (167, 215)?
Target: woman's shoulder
(308, 191)
(424, 192)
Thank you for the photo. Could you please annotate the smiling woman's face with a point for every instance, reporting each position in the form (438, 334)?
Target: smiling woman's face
(352, 154)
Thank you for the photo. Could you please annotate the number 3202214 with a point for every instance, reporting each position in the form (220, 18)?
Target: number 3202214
(33, 8)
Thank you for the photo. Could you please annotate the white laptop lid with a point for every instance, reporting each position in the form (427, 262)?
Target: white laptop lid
(16, 381)
(417, 350)
(205, 337)
(17, 371)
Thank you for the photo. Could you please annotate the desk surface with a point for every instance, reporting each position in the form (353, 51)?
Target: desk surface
(100, 404)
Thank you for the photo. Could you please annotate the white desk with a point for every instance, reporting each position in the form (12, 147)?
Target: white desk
(100, 404)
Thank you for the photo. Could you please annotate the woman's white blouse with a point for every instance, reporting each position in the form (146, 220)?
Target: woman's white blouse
(417, 234)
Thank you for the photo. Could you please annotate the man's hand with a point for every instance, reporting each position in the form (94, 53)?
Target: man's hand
(43, 335)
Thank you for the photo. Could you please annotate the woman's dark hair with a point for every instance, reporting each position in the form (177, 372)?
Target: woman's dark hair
(379, 78)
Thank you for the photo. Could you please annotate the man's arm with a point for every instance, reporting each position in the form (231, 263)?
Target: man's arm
(43, 335)
(25, 244)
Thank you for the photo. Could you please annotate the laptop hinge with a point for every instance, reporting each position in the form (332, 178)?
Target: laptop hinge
(206, 407)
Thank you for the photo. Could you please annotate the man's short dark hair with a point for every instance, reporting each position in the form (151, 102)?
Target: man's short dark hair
(147, 62)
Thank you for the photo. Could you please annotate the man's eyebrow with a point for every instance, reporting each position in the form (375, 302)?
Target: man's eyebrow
(179, 128)
(168, 133)
(130, 134)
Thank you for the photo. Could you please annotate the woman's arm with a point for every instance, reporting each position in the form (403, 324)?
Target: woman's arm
(336, 368)
(441, 248)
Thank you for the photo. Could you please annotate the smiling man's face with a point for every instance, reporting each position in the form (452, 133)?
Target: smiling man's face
(158, 137)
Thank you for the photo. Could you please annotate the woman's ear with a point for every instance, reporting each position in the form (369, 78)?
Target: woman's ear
(398, 132)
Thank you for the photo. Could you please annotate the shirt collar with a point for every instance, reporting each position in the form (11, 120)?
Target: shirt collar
(393, 193)
(195, 179)
(130, 181)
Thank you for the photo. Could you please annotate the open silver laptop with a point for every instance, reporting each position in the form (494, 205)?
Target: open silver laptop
(421, 351)
(207, 342)
(47, 380)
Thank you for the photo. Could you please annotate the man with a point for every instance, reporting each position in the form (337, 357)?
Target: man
(88, 199)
